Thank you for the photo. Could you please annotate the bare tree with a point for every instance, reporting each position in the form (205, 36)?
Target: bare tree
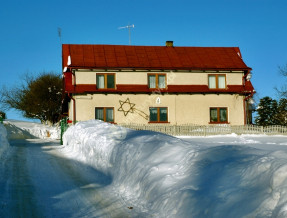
(37, 97)
(282, 91)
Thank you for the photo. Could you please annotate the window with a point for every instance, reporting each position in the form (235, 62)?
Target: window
(105, 114)
(216, 81)
(218, 115)
(106, 81)
(157, 81)
(158, 114)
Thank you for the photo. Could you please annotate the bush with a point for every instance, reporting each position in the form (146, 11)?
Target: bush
(2, 115)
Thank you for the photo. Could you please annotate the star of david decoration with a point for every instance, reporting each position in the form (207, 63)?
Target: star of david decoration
(126, 107)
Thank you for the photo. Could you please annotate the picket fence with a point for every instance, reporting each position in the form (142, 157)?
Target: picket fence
(198, 130)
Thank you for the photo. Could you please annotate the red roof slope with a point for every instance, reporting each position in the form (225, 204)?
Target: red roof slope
(152, 57)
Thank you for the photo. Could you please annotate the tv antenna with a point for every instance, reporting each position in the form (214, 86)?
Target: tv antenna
(129, 28)
(60, 34)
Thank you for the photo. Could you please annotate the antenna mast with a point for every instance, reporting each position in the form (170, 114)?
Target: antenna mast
(129, 28)
(60, 34)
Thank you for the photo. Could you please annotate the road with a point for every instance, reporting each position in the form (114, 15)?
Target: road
(38, 181)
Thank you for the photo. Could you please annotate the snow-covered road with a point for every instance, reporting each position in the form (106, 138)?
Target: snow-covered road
(37, 181)
(104, 170)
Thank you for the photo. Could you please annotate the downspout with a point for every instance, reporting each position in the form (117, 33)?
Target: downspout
(74, 101)
(246, 98)
(244, 106)
(74, 107)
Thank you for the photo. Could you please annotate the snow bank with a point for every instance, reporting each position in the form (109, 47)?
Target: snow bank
(3, 139)
(169, 177)
(29, 130)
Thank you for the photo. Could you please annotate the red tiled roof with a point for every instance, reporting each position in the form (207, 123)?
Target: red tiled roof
(152, 57)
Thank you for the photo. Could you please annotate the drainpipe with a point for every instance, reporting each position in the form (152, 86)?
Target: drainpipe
(246, 98)
(69, 95)
(244, 106)
(74, 107)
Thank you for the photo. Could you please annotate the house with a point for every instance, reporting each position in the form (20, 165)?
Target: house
(156, 84)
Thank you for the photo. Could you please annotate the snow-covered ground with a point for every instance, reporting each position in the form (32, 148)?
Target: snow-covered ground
(162, 176)
(27, 130)
(3, 139)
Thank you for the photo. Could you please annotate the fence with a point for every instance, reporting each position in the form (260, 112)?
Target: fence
(197, 130)
(64, 127)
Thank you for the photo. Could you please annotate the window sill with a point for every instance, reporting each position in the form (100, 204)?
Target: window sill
(106, 89)
(157, 89)
(157, 122)
(217, 89)
(218, 123)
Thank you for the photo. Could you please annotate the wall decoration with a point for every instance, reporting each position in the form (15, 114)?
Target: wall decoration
(127, 107)
(157, 100)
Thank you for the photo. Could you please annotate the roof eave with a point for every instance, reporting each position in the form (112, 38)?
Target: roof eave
(161, 68)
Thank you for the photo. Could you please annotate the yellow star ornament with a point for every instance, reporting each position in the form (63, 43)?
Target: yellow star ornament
(126, 106)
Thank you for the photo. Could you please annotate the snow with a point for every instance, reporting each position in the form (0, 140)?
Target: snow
(27, 130)
(164, 176)
(3, 139)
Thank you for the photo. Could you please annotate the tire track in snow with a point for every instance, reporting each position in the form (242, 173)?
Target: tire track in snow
(89, 183)
(18, 197)
(38, 181)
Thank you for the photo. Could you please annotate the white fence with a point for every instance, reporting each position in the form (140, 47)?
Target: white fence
(197, 130)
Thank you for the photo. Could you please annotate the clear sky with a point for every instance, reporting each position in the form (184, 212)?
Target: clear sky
(29, 40)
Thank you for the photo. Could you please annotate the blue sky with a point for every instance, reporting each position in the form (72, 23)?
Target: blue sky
(29, 40)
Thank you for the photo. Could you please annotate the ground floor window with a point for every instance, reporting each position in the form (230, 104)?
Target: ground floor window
(105, 114)
(158, 114)
(218, 115)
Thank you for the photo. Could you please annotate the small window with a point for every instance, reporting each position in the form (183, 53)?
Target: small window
(217, 81)
(218, 115)
(157, 81)
(106, 81)
(158, 114)
(104, 114)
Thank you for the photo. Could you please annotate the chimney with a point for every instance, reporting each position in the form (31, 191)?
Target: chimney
(169, 43)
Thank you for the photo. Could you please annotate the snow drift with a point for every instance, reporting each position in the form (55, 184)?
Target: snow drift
(164, 176)
(29, 130)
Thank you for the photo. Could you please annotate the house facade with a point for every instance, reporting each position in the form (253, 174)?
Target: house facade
(156, 84)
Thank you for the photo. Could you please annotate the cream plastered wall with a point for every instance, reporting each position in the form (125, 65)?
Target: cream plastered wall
(173, 78)
(182, 109)
(191, 78)
(234, 78)
(136, 78)
(71, 110)
(87, 77)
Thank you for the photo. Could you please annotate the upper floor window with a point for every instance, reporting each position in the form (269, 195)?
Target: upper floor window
(218, 115)
(106, 81)
(217, 81)
(105, 114)
(157, 81)
(158, 114)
